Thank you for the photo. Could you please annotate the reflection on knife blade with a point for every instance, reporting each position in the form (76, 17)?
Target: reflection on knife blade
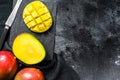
(9, 22)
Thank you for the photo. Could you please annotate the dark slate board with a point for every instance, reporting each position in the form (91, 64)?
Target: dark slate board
(47, 38)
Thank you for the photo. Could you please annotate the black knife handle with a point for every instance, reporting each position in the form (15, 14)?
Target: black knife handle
(3, 36)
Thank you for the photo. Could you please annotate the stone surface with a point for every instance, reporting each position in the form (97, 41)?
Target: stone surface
(88, 37)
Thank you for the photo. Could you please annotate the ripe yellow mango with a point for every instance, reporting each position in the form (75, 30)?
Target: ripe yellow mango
(37, 17)
(28, 49)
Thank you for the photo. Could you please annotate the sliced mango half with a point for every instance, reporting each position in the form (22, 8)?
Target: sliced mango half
(37, 17)
(28, 49)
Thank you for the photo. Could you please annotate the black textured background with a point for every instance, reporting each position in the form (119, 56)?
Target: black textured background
(88, 37)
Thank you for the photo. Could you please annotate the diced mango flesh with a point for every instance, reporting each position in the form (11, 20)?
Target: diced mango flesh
(35, 14)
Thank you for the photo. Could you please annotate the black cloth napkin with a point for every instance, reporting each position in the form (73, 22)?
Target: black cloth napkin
(54, 66)
(5, 9)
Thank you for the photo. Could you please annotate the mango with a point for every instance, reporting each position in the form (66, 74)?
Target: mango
(28, 49)
(37, 17)
(29, 74)
(8, 65)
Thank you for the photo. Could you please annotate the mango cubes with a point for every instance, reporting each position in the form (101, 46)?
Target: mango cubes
(37, 17)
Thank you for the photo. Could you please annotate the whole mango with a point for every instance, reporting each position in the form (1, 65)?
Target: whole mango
(8, 65)
(29, 74)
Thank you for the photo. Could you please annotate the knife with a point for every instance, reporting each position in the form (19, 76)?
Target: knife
(9, 23)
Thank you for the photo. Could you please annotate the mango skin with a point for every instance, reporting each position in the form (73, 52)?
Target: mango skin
(8, 65)
(37, 17)
(29, 74)
(28, 49)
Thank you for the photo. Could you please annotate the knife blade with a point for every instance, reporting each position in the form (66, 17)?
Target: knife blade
(9, 23)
